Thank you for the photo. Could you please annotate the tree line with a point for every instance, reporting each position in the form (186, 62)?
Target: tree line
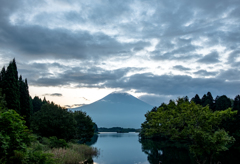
(207, 125)
(22, 116)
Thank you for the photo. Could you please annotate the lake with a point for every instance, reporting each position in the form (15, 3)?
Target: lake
(119, 148)
(125, 148)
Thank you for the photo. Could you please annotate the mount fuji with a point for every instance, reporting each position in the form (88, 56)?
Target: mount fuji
(117, 109)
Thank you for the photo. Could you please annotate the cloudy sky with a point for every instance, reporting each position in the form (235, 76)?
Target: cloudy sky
(76, 52)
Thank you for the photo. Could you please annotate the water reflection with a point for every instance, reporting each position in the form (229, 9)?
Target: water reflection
(126, 148)
(119, 148)
(166, 152)
(176, 152)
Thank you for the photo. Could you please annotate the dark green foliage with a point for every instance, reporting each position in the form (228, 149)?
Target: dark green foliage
(197, 99)
(14, 135)
(44, 101)
(57, 143)
(3, 103)
(196, 124)
(95, 127)
(236, 104)
(52, 120)
(24, 100)
(39, 157)
(186, 99)
(222, 103)
(208, 100)
(11, 87)
(15, 91)
(2, 77)
(37, 104)
(84, 128)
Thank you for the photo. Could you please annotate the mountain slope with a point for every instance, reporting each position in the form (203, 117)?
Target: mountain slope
(117, 110)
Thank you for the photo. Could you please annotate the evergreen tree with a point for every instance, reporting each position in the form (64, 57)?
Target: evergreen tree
(186, 99)
(208, 100)
(53, 120)
(222, 103)
(3, 103)
(84, 127)
(236, 104)
(196, 99)
(37, 104)
(44, 101)
(11, 87)
(24, 100)
(203, 100)
(2, 78)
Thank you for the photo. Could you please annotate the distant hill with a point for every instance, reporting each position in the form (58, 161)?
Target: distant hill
(117, 110)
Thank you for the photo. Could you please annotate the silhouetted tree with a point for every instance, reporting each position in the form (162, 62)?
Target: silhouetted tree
(53, 120)
(208, 100)
(11, 87)
(37, 104)
(24, 100)
(84, 128)
(196, 99)
(236, 104)
(222, 103)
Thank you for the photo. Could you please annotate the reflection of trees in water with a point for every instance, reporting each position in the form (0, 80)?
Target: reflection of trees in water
(93, 140)
(230, 156)
(167, 152)
(175, 152)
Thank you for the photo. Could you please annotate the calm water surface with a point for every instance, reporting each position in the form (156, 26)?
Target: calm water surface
(125, 148)
(119, 148)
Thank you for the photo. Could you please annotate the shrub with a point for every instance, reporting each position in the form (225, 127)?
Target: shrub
(57, 143)
(14, 135)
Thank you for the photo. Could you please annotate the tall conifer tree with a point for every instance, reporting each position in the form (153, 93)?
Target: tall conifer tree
(236, 104)
(196, 99)
(11, 87)
(36, 104)
(24, 100)
(2, 77)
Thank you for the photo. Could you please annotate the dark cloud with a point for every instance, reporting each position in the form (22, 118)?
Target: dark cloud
(36, 42)
(211, 58)
(92, 34)
(232, 58)
(53, 94)
(181, 68)
(180, 49)
(83, 76)
(175, 85)
(231, 74)
(205, 73)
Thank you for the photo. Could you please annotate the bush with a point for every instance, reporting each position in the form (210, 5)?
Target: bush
(55, 143)
(14, 135)
(39, 157)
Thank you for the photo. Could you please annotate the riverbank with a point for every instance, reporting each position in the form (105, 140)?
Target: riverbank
(75, 153)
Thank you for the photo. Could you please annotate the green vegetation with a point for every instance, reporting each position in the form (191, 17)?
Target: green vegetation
(206, 131)
(53, 120)
(52, 124)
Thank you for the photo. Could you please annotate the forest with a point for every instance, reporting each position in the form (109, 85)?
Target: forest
(206, 126)
(33, 130)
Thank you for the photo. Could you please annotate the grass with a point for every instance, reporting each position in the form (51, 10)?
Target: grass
(74, 154)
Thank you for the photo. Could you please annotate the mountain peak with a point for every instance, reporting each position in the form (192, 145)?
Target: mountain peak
(120, 93)
(118, 109)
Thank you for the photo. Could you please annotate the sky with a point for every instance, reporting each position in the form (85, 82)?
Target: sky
(75, 52)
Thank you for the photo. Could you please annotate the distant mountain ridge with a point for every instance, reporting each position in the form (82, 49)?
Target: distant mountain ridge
(118, 109)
